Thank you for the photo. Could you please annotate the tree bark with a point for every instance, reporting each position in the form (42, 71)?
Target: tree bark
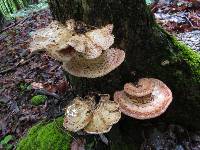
(2, 19)
(17, 4)
(150, 52)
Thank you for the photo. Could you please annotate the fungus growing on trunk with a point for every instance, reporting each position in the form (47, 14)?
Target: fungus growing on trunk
(83, 54)
(83, 114)
(104, 116)
(93, 68)
(92, 43)
(78, 114)
(102, 37)
(53, 39)
(148, 99)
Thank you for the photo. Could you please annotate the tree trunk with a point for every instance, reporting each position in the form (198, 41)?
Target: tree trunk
(2, 20)
(17, 4)
(150, 52)
(10, 6)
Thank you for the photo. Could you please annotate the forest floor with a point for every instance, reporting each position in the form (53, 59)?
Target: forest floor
(24, 75)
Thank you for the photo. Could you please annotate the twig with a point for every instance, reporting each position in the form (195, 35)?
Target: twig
(45, 92)
(189, 21)
(104, 139)
(17, 65)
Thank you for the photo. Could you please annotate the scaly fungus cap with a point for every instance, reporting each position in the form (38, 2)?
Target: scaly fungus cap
(85, 46)
(145, 106)
(78, 114)
(93, 42)
(53, 39)
(102, 37)
(144, 87)
(93, 68)
(104, 116)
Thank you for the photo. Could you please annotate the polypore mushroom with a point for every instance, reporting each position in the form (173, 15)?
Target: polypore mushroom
(85, 46)
(93, 42)
(82, 114)
(53, 39)
(78, 114)
(83, 55)
(102, 37)
(104, 116)
(149, 99)
(92, 68)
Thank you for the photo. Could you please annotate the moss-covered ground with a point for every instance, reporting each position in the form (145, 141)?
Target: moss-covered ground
(46, 136)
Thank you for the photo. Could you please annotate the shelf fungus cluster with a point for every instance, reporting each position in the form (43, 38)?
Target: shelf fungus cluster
(92, 118)
(85, 54)
(148, 99)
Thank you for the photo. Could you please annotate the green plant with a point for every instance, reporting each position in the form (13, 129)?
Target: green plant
(23, 86)
(46, 136)
(38, 99)
(5, 142)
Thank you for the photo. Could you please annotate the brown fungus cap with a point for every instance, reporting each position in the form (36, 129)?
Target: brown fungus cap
(85, 46)
(104, 116)
(93, 68)
(102, 37)
(92, 43)
(53, 39)
(144, 87)
(144, 107)
(78, 114)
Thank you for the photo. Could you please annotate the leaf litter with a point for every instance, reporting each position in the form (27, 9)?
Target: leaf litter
(24, 75)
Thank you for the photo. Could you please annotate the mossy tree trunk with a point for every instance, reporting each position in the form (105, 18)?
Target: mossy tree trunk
(150, 52)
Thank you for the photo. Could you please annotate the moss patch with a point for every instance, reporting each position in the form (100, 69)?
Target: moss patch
(44, 136)
(38, 100)
(191, 57)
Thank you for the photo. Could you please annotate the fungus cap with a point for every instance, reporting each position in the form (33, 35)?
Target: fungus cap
(144, 87)
(93, 42)
(52, 39)
(104, 116)
(102, 37)
(84, 45)
(78, 114)
(93, 68)
(157, 104)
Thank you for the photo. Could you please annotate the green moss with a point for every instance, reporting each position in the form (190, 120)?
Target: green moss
(38, 100)
(46, 136)
(191, 57)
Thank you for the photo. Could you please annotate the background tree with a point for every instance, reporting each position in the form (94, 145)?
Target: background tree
(2, 19)
(150, 52)
(17, 4)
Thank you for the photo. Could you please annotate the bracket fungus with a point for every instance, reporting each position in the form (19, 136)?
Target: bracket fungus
(104, 116)
(78, 114)
(92, 68)
(148, 99)
(92, 43)
(82, 54)
(52, 39)
(94, 119)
